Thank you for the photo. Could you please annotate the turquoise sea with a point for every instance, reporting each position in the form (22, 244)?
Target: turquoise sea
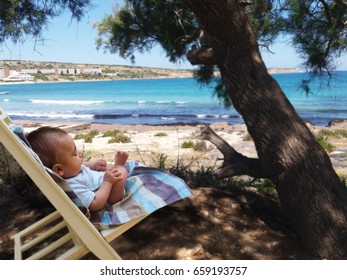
(160, 101)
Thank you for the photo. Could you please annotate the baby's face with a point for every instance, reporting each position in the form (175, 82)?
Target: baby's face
(69, 157)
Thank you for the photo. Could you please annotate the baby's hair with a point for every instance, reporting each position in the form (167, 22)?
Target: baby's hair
(43, 141)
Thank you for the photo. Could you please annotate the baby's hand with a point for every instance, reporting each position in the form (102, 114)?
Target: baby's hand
(112, 176)
(100, 165)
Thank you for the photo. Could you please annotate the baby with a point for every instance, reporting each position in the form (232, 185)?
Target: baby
(95, 183)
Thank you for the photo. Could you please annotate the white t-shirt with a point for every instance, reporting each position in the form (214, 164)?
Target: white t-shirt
(86, 183)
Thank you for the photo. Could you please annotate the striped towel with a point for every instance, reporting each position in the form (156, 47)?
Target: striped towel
(147, 190)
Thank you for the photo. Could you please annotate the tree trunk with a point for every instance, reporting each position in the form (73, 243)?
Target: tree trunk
(310, 192)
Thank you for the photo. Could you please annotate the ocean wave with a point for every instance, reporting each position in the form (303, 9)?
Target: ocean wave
(170, 102)
(66, 102)
(163, 116)
(216, 116)
(163, 102)
(51, 115)
(168, 118)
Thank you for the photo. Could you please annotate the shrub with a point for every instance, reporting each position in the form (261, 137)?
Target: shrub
(162, 161)
(160, 134)
(187, 145)
(120, 138)
(111, 133)
(322, 138)
(88, 137)
(247, 137)
(117, 136)
(341, 132)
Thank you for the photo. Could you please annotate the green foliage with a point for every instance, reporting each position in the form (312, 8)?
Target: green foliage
(205, 77)
(264, 186)
(141, 24)
(344, 180)
(187, 145)
(203, 177)
(222, 94)
(120, 138)
(247, 137)
(267, 20)
(162, 161)
(341, 132)
(21, 18)
(334, 133)
(305, 86)
(88, 137)
(111, 133)
(117, 136)
(160, 134)
(321, 138)
(318, 30)
(199, 146)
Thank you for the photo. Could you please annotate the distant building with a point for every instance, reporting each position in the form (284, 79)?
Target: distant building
(93, 71)
(28, 71)
(2, 73)
(48, 71)
(24, 74)
(19, 77)
(69, 71)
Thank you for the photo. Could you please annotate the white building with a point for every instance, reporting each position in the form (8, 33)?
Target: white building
(48, 71)
(93, 71)
(29, 71)
(69, 71)
(19, 77)
(2, 73)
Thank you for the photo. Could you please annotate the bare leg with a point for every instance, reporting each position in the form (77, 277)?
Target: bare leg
(121, 158)
(117, 192)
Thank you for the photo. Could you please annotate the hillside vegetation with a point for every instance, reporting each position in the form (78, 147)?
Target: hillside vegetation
(109, 72)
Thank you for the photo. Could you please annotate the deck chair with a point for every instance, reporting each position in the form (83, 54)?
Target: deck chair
(86, 231)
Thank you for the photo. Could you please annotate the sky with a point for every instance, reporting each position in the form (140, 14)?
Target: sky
(74, 42)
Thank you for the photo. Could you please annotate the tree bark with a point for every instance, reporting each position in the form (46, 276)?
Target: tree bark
(309, 189)
(234, 163)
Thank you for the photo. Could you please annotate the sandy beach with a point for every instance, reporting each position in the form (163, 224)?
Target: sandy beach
(151, 144)
(213, 223)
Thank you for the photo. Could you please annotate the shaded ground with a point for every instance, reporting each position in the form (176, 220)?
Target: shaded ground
(212, 224)
(215, 224)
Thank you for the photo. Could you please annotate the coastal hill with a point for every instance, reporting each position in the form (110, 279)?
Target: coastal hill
(105, 72)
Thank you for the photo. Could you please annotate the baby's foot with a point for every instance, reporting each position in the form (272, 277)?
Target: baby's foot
(121, 158)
